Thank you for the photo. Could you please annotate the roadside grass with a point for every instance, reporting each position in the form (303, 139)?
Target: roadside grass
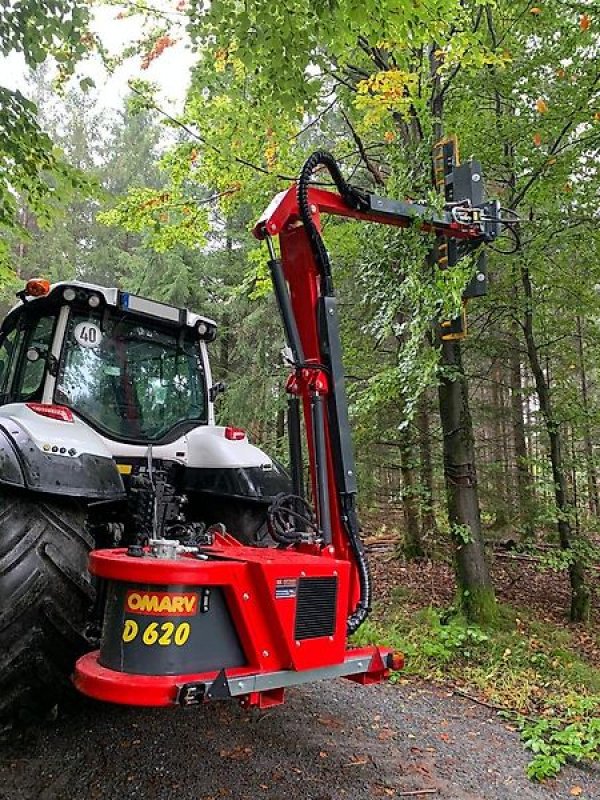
(527, 669)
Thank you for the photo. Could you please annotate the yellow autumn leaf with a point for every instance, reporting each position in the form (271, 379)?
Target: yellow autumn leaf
(541, 105)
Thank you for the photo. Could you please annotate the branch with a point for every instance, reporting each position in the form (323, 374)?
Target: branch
(553, 150)
(157, 12)
(444, 88)
(318, 118)
(373, 169)
(244, 162)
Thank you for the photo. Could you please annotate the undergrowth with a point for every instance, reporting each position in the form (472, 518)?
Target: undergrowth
(521, 665)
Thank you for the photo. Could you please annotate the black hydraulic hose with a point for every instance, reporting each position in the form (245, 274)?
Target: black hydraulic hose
(351, 196)
(363, 607)
(355, 200)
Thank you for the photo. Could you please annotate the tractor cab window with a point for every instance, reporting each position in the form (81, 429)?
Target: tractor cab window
(8, 356)
(24, 352)
(130, 378)
(34, 350)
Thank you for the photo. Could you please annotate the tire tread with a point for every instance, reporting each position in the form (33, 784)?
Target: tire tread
(45, 595)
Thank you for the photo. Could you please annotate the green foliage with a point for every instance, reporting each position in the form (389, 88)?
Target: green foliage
(170, 219)
(31, 168)
(37, 28)
(574, 737)
(453, 640)
(462, 533)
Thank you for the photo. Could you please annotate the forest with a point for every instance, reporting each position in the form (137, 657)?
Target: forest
(477, 454)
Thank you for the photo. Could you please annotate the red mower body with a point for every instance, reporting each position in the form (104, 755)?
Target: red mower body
(237, 622)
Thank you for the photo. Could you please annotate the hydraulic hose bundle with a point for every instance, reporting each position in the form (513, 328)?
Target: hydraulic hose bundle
(353, 199)
(289, 518)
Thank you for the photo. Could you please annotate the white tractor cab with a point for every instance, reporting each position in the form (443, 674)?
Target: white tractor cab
(94, 382)
(107, 437)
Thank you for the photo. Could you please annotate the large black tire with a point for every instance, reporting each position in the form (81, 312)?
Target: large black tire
(45, 597)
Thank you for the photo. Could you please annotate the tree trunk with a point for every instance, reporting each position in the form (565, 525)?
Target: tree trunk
(428, 523)
(500, 474)
(592, 475)
(524, 477)
(280, 426)
(413, 545)
(580, 596)
(475, 590)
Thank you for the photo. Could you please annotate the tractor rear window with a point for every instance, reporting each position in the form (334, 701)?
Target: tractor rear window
(132, 379)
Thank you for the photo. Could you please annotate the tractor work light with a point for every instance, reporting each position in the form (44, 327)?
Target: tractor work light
(37, 287)
(93, 301)
(69, 294)
(207, 330)
(396, 661)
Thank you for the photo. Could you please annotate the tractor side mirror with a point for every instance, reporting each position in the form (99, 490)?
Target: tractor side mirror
(216, 389)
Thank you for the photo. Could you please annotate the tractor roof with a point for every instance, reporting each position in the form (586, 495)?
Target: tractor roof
(112, 297)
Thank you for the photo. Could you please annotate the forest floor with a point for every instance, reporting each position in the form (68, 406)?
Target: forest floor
(330, 741)
(415, 738)
(542, 594)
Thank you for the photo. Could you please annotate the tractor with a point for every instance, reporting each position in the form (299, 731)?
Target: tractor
(107, 404)
(182, 558)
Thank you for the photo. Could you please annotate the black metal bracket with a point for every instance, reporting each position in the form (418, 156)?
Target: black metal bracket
(219, 688)
(191, 694)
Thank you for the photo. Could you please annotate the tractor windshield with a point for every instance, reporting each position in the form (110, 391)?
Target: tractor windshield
(134, 380)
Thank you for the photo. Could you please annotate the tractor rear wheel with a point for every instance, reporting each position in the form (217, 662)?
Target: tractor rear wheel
(45, 597)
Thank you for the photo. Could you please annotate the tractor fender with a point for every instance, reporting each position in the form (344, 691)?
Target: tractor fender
(208, 447)
(54, 456)
(233, 468)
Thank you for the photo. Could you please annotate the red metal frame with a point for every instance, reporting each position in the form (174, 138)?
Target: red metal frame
(284, 211)
(122, 688)
(264, 623)
(282, 218)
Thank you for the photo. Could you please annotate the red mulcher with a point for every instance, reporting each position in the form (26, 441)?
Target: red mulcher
(187, 624)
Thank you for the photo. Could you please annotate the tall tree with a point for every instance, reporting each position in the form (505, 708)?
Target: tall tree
(31, 168)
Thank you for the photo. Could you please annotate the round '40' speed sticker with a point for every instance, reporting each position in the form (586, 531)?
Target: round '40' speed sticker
(87, 334)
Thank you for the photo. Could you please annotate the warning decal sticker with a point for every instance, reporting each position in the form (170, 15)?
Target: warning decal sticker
(285, 588)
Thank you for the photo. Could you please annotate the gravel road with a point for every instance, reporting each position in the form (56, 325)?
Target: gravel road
(329, 742)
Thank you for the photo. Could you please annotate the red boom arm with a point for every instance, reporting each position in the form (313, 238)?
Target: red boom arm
(305, 295)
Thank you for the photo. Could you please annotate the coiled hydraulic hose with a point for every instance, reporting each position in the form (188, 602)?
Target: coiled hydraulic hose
(354, 199)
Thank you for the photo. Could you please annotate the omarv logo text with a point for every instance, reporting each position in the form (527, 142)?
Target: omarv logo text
(161, 604)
